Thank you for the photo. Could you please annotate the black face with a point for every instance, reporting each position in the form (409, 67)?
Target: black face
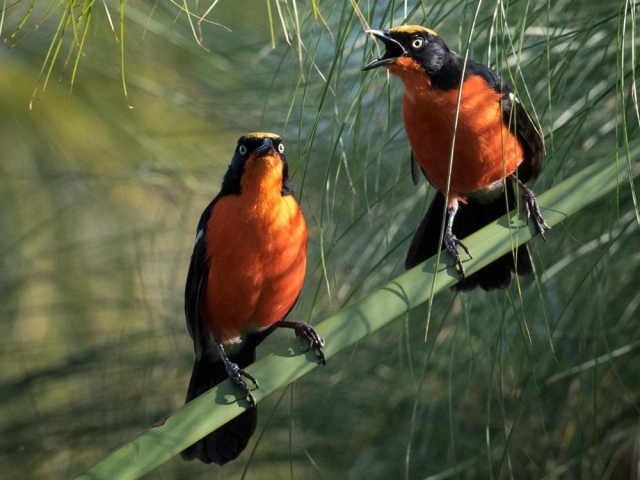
(442, 66)
(417, 43)
(431, 53)
(255, 144)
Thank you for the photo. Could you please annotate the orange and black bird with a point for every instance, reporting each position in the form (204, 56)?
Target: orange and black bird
(497, 146)
(246, 272)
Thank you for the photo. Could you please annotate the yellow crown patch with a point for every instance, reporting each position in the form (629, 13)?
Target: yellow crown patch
(411, 29)
(259, 135)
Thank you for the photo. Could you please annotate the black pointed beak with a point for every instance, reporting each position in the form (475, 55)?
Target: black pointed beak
(394, 49)
(264, 147)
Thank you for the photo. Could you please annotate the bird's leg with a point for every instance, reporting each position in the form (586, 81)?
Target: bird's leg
(236, 373)
(531, 206)
(307, 332)
(451, 241)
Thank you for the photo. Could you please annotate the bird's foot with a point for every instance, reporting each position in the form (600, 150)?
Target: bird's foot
(532, 210)
(450, 242)
(314, 341)
(235, 374)
(306, 331)
(531, 207)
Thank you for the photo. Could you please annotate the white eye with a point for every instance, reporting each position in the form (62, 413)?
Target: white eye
(242, 149)
(417, 43)
(281, 148)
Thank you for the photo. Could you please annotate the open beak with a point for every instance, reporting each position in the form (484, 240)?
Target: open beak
(393, 49)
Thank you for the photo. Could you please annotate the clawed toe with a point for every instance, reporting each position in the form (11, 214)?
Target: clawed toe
(314, 341)
(450, 242)
(532, 210)
(235, 374)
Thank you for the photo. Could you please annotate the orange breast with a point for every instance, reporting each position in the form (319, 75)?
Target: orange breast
(485, 150)
(256, 250)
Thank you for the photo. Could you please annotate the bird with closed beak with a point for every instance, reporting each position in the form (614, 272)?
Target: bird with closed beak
(246, 272)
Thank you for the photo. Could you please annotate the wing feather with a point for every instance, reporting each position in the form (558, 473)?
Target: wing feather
(197, 284)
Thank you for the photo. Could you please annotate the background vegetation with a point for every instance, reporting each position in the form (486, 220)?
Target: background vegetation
(101, 192)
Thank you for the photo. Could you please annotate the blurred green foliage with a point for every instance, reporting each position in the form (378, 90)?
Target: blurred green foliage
(100, 203)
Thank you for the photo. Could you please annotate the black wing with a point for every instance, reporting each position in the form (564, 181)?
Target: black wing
(415, 170)
(520, 123)
(197, 283)
(518, 120)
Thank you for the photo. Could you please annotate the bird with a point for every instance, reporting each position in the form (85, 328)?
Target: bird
(498, 147)
(246, 273)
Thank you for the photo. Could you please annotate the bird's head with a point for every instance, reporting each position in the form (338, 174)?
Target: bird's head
(410, 47)
(259, 163)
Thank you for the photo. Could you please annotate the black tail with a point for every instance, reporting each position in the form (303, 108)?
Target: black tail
(469, 219)
(228, 441)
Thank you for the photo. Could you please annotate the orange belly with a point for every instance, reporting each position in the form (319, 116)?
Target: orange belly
(485, 150)
(257, 259)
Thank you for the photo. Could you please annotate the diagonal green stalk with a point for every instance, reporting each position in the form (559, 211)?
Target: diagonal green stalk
(355, 322)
